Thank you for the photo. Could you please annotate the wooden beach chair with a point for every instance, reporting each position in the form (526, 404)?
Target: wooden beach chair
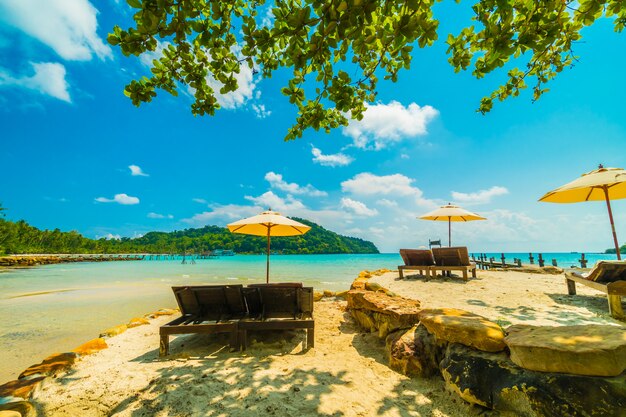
(608, 277)
(453, 259)
(278, 306)
(206, 309)
(416, 259)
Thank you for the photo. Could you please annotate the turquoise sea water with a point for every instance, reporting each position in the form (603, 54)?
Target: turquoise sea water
(54, 308)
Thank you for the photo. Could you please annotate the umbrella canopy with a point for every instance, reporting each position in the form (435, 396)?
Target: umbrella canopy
(269, 223)
(602, 184)
(451, 213)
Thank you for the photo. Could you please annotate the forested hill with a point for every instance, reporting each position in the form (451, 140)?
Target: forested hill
(20, 237)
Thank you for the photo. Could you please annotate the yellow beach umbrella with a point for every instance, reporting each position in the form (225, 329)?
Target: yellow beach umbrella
(269, 223)
(451, 213)
(602, 184)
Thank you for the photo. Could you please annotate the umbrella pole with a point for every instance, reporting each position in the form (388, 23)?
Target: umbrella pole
(608, 206)
(449, 232)
(267, 268)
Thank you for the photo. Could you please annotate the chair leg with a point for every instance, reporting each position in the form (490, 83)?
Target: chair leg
(465, 275)
(235, 343)
(164, 346)
(615, 306)
(474, 273)
(401, 273)
(571, 287)
(310, 338)
(243, 339)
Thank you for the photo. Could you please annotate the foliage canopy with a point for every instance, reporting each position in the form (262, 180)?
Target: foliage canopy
(325, 41)
(20, 238)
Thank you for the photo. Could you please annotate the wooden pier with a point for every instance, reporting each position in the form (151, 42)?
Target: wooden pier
(484, 262)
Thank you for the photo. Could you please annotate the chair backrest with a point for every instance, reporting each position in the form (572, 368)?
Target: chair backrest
(211, 302)
(417, 257)
(608, 271)
(279, 299)
(453, 256)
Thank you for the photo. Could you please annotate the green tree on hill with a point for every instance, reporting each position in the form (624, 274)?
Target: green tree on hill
(338, 49)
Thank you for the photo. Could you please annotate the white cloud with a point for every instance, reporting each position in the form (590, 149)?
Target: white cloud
(199, 200)
(110, 236)
(276, 181)
(67, 26)
(49, 79)
(387, 203)
(153, 215)
(479, 197)
(124, 199)
(222, 214)
(366, 183)
(260, 111)
(135, 171)
(357, 207)
(269, 200)
(331, 160)
(246, 85)
(384, 124)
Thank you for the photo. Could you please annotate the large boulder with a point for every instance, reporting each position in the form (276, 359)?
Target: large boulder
(137, 321)
(52, 365)
(414, 352)
(114, 331)
(384, 313)
(492, 380)
(582, 350)
(459, 326)
(23, 408)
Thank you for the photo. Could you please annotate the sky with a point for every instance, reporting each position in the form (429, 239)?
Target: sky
(75, 154)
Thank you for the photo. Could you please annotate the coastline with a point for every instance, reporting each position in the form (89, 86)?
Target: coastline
(23, 261)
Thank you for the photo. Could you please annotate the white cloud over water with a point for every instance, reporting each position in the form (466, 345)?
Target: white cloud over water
(330, 160)
(153, 215)
(479, 197)
(136, 171)
(69, 27)
(123, 199)
(48, 79)
(385, 124)
(277, 181)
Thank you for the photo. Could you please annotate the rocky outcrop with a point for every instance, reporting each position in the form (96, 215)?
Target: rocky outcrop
(23, 408)
(21, 388)
(582, 350)
(162, 312)
(414, 352)
(492, 380)
(91, 347)
(114, 331)
(459, 326)
(137, 321)
(378, 311)
(34, 260)
(51, 366)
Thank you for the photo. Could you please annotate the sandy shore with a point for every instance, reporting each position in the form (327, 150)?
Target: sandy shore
(346, 374)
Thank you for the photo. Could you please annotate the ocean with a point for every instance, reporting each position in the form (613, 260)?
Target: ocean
(55, 308)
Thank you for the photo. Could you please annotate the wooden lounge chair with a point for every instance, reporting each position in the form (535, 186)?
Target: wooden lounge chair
(453, 259)
(606, 276)
(280, 306)
(206, 309)
(416, 259)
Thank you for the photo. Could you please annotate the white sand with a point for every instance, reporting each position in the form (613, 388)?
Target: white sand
(346, 374)
(507, 297)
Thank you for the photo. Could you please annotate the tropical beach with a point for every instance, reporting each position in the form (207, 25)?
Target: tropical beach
(336, 208)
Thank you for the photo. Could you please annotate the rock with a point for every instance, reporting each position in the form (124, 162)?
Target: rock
(22, 388)
(386, 314)
(23, 408)
(459, 326)
(374, 286)
(414, 352)
(582, 350)
(494, 381)
(137, 321)
(162, 312)
(317, 295)
(91, 347)
(328, 293)
(364, 320)
(9, 413)
(114, 331)
(535, 269)
(358, 284)
(52, 365)
(342, 294)
(365, 274)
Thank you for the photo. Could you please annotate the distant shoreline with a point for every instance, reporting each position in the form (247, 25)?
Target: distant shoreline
(20, 261)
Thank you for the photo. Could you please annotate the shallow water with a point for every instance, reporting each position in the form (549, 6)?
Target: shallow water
(54, 308)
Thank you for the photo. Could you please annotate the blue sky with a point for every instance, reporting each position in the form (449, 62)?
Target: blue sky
(77, 155)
